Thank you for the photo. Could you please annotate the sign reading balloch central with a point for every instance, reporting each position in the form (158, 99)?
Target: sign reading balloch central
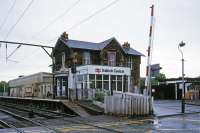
(108, 70)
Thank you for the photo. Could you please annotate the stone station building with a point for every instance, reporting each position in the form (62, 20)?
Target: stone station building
(85, 67)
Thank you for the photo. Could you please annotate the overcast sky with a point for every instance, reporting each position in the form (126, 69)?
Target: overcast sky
(126, 20)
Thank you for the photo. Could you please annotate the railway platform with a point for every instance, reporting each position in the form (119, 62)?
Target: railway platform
(79, 108)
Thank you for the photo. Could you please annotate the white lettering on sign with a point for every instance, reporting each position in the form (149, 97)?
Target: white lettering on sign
(109, 70)
(99, 70)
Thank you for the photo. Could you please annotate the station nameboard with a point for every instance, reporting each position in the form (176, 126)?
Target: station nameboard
(95, 69)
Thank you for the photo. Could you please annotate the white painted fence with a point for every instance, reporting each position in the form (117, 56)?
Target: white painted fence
(128, 105)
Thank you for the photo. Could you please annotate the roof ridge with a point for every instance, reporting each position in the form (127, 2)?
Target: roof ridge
(108, 39)
(81, 41)
(98, 46)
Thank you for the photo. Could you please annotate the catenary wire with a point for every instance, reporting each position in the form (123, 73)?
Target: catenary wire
(13, 26)
(92, 15)
(8, 13)
(51, 23)
(18, 20)
(57, 18)
(89, 17)
(86, 19)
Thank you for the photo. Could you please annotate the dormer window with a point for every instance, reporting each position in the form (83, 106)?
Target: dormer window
(86, 58)
(112, 58)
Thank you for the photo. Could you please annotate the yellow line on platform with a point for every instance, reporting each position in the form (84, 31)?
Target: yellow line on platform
(77, 128)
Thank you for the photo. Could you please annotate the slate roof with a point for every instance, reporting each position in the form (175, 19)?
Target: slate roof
(82, 44)
(132, 51)
(106, 42)
(97, 46)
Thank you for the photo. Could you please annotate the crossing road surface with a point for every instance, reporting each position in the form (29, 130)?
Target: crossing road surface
(109, 124)
(179, 124)
(175, 124)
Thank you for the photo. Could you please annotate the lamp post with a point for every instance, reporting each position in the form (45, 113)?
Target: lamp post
(182, 44)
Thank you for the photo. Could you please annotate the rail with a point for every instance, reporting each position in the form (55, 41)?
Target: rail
(11, 126)
(39, 112)
(67, 120)
(28, 120)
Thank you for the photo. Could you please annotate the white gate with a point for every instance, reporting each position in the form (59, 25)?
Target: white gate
(128, 105)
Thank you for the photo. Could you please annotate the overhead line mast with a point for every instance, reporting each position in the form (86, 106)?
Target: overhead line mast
(149, 57)
(36, 45)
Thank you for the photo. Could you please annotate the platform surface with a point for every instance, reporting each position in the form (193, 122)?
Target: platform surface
(34, 98)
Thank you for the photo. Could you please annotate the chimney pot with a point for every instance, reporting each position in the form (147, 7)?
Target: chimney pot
(65, 36)
(126, 45)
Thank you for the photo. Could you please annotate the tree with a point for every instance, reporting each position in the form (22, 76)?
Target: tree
(161, 77)
(142, 83)
(2, 85)
(154, 81)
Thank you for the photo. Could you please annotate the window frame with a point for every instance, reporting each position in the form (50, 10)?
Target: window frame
(111, 62)
(86, 58)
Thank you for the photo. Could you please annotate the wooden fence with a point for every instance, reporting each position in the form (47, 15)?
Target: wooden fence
(128, 105)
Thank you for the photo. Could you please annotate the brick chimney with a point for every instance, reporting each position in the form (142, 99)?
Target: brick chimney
(64, 36)
(126, 45)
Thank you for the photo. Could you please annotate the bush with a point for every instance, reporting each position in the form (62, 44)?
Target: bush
(2, 83)
(99, 96)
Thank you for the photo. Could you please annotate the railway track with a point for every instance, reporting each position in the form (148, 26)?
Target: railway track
(49, 115)
(6, 125)
(17, 122)
(25, 110)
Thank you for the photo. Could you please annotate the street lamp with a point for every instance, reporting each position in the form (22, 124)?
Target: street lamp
(182, 44)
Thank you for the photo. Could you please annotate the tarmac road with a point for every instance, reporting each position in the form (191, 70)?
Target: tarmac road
(176, 124)
(161, 124)
(182, 123)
